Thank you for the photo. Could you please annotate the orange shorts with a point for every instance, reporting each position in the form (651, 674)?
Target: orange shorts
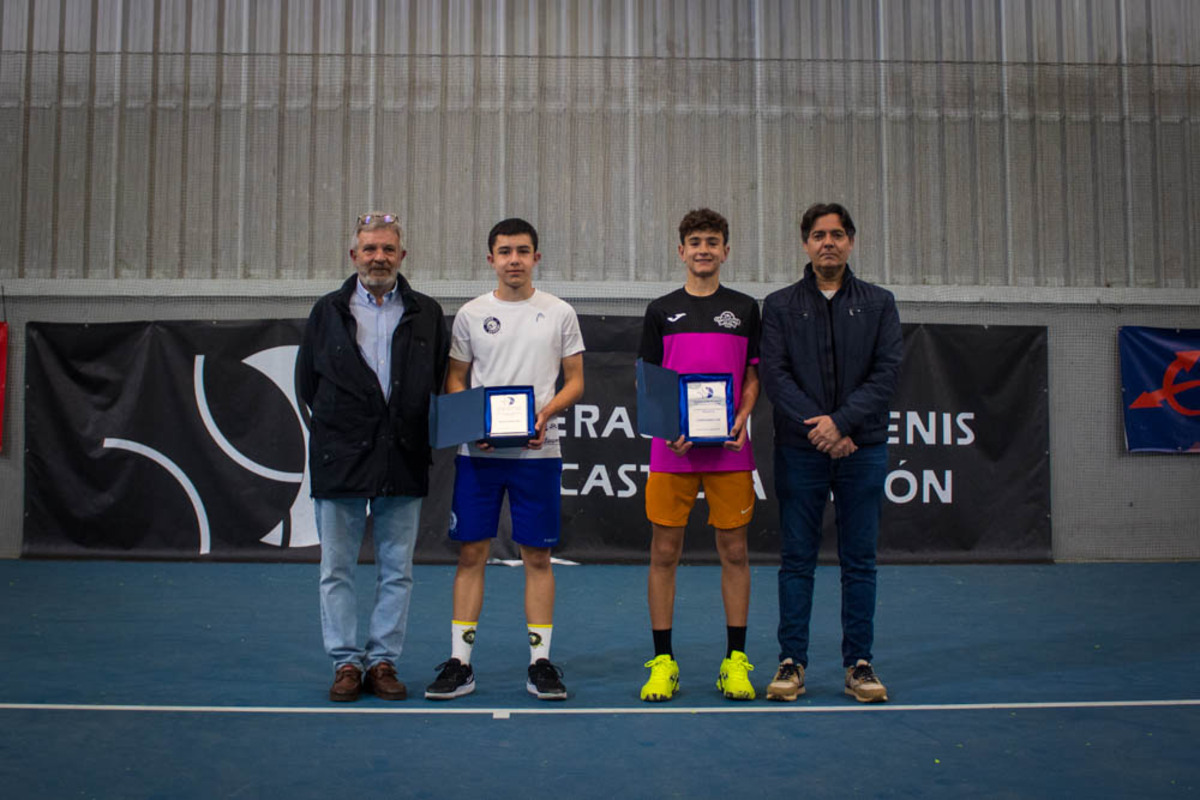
(671, 495)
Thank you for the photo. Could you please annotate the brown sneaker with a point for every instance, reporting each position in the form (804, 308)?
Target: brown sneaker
(381, 681)
(788, 683)
(346, 684)
(864, 685)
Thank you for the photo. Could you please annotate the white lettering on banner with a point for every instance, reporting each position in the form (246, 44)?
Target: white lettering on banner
(618, 421)
(759, 492)
(586, 416)
(598, 479)
(944, 490)
(968, 433)
(630, 488)
(562, 490)
(928, 427)
(902, 486)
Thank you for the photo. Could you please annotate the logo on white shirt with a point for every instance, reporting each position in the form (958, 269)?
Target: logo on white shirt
(677, 317)
(491, 325)
(727, 320)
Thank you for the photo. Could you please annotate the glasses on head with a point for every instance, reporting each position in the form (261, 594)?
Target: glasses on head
(376, 219)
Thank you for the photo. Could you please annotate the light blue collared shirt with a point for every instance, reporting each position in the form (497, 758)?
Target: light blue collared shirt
(376, 324)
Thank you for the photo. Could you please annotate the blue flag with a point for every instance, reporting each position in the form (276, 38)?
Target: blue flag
(1160, 389)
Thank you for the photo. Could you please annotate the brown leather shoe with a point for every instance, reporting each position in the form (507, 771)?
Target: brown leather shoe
(346, 684)
(381, 679)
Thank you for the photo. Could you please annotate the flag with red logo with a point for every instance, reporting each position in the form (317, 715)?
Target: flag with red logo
(1160, 389)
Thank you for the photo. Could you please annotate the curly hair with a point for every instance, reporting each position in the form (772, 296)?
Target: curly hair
(703, 219)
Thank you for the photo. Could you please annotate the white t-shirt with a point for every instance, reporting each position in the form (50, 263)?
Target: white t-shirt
(517, 344)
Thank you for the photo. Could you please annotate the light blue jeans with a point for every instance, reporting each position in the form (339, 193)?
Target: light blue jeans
(341, 524)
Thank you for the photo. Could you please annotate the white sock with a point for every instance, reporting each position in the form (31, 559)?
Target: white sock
(462, 639)
(539, 642)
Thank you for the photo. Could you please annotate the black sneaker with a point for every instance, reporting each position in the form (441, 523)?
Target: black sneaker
(454, 680)
(545, 681)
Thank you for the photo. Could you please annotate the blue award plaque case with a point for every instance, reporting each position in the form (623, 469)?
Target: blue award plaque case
(508, 440)
(684, 410)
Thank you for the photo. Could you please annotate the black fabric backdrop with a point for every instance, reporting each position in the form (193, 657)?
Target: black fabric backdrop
(121, 462)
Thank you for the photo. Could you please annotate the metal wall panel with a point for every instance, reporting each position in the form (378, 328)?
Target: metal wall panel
(979, 142)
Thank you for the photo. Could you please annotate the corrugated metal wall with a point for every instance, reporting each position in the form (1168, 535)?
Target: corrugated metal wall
(984, 142)
(980, 143)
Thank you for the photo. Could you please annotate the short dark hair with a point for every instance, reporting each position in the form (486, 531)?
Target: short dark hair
(818, 210)
(513, 226)
(703, 219)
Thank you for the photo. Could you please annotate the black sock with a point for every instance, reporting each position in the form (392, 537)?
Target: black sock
(736, 636)
(662, 643)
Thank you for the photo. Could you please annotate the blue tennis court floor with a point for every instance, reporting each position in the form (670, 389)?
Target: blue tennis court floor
(181, 680)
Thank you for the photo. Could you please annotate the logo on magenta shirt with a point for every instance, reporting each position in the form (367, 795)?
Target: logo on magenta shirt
(726, 319)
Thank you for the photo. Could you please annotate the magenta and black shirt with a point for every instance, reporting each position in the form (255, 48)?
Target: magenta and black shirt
(713, 334)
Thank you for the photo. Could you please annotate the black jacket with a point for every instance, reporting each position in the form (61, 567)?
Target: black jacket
(360, 446)
(839, 357)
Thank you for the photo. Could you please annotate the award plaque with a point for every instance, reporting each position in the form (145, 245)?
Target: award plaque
(706, 407)
(508, 415)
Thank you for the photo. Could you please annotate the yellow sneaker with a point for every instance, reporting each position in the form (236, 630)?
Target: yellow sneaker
(664, 679)
(734, 682)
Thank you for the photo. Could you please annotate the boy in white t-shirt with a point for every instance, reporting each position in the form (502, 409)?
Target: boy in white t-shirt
(514, 335)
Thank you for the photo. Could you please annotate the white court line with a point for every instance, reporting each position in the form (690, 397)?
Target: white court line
(506, 713)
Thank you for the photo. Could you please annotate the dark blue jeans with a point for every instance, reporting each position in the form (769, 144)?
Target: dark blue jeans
(803, 480)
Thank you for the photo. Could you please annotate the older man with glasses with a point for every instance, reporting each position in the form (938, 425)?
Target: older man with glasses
(372, 353)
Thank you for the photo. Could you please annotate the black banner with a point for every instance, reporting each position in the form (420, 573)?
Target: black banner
(184, 440)
(969, 447)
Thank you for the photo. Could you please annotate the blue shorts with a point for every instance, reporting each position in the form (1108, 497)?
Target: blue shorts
(534, 498)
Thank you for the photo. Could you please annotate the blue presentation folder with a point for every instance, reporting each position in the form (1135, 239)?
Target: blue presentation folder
(456, 418)
(657, 401)
(463, 417)
(660, 405)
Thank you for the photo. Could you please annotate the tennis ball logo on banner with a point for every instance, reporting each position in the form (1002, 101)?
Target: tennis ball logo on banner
(278, 365)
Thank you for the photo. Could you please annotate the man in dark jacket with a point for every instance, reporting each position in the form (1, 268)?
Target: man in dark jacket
(373, 351)
(829, 360)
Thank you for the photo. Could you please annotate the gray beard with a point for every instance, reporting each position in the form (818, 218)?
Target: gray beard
(378, 283)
